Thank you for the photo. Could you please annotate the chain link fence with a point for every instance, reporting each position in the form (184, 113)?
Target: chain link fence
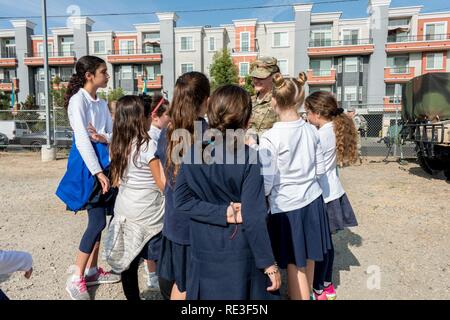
(25, 130)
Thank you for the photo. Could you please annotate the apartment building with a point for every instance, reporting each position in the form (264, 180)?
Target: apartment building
(363, 61)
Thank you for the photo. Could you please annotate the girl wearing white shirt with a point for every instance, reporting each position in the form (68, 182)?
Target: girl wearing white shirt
(338, 138)
(292, 161)
(91, 122)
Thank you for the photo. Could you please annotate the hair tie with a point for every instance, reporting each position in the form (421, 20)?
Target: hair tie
(158, 105)
(339, 111)
(281, 85)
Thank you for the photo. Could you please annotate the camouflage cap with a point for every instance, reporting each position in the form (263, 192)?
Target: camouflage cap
(264, 67)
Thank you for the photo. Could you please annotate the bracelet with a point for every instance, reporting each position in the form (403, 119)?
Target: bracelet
(272, 272)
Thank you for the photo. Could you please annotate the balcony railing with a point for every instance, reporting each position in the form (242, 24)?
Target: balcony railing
(338, 43)
(418, 38)
(400, 70)
(8, 54)
(321, 73)
(52, 54)
(393, 99)
(123, 52)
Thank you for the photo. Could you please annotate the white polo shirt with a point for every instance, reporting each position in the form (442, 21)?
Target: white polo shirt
(330, 182)
(292, 160)
(82, 110)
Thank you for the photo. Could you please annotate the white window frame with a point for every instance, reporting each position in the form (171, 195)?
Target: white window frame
(434, 23)
(287, 67)
(355, 93)
(346, 66)
(240, 39)
(121, 72)
(210, 41)
(133, 49)
(40, 49)
(434, 61)
(181, 44)
(339, 93)
(240, 69)
(340, 62)
(281, 44)
(350, 29)
(104, 47)
(186, 63)
(360, 92)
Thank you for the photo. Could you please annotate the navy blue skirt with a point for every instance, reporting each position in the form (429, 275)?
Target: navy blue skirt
(300, 235)
(173, 262)
(152, 249)
(340, 214)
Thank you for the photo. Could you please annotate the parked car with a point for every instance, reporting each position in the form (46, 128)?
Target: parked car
(4, 141)
(36, 140)
(14, 129)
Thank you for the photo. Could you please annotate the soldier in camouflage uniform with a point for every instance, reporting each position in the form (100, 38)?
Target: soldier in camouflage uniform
(360, 124)
(263, 116)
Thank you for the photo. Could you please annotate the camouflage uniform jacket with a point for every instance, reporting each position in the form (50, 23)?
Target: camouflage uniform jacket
(263, 116)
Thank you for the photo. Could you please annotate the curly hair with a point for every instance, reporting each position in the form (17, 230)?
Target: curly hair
(325, 104)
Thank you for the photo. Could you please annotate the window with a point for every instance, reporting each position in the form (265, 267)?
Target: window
(283, 65)
(340, 66)
(394, 92)
(435, 61)
(321, 67)
(243, 69)
(398, 64)
(150, 72)
(212, 44)
(436, 31)
(339, 93)
(66, 46)
(152, 37)
(99, 46)
(126, 46)
(351, 64)
(321, 35)
(360, 93)
(399, 22)
(187, 44)
(350, 37)
(66, 74)
(245, 41)
(8, 48)
(280, 39)
(126, 73)
(187, 67)
(351, 93)
(313, 89)
(41, 49)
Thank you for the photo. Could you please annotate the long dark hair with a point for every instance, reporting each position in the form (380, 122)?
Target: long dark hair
(151, 102)
(325, 104)
(191, 90)
(84, 64)
(130, 127)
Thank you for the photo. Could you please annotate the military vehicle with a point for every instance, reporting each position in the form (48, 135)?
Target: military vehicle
(426, 120)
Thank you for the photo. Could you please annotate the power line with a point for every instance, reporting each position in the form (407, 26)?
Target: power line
(177, 11)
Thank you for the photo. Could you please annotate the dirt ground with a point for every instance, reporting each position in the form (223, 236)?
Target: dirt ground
(400, 250)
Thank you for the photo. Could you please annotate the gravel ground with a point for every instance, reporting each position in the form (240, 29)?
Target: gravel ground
(398, 251)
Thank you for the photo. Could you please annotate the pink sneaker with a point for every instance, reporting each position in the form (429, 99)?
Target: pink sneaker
(330, 292)
(77, 289)
(321, 296)
(102, 277)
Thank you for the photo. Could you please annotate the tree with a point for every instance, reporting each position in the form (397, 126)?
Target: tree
(248, 85)
(223, 71)
(5, 106)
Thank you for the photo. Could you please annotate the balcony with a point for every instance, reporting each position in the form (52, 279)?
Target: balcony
(63, 58)
(420, 43)
(8, 59)
(398, 74)
(125, 56)
(6, 85)
(236, 52)
(151, 83)
(321, 77)
(392, 104)
(329, 48)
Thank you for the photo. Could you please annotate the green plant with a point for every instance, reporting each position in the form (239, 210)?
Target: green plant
(248, 85)
(115, 94)
(223, 71)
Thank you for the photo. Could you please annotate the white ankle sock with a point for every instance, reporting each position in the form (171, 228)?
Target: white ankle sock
(318, 291)
(90, 272)
(326, 284)
(75, 277)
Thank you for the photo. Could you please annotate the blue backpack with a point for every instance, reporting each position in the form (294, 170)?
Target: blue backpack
(78, 183)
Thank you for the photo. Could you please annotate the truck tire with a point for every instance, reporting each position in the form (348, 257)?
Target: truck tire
(423, 162)
(447, 174)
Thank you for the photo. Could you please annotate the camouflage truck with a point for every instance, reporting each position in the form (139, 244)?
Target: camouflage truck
(426, 120)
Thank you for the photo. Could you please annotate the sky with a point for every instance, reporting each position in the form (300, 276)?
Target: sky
(27, 8)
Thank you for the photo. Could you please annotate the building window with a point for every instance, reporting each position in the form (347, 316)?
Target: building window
(321, 67)
(339, 93)
(435, 61)
(283, 65)
(436, 31)
(398, 64)
(151, 72)
(126, 73)
(351, 64)
(361, 94)
(99, 46)
(244, 69)
(187, 44)
(8, 48)
(280, 39)
(351, 94)
(394, 92)
(66, 46)
(126, 46)
(313, 89)
(350, 37)
(245, 41)
(321, 35)
(187, 67)
(41, 49)
(212, 44)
